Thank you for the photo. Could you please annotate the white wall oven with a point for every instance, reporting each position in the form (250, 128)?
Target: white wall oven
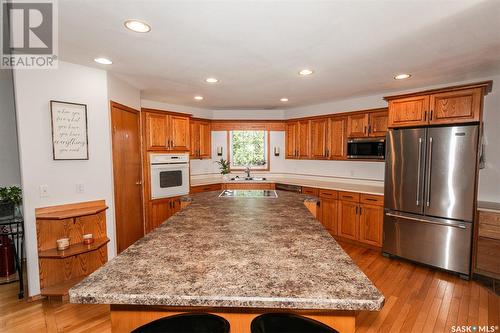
(169, 175)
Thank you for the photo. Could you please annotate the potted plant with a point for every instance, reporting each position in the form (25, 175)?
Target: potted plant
(10, 198)
(223, 166)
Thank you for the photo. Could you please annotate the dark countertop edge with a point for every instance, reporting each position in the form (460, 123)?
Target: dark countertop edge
(196, 301)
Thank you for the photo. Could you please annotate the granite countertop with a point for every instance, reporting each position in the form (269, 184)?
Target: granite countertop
(235, 252)
(344, 185)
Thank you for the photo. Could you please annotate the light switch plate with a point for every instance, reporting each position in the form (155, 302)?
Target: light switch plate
(44, 191)
(80, 188)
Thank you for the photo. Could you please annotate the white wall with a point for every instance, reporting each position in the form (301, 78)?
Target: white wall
(34, 89)
(121, 92)
(9, 153)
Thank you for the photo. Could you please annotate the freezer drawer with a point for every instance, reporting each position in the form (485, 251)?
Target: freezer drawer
(437, 242)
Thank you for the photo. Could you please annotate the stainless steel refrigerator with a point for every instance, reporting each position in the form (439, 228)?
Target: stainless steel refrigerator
(430, 182)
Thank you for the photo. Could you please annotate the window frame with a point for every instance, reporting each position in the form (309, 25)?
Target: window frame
(267, 150)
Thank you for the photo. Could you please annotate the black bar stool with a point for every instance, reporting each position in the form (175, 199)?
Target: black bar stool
(287, 323)
(186, 323)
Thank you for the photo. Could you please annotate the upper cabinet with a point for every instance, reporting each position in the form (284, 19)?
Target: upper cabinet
(452, 105)
(164, 131)
(337, 141)
(201, 139)
(366, 124)
(319, 138)
(297, 139)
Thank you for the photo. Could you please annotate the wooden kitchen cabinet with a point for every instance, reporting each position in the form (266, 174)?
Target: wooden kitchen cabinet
(366, 124)
(487, 259)
(164, 131)
(328, 210)
(337, 144)
(348, 219)
(201, 139)
(297, 139)
(319, 138)
(451, 105)
(160, 210)
(371, 219)
(205, 188)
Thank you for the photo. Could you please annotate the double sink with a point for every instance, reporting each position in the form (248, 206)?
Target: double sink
(237, 178)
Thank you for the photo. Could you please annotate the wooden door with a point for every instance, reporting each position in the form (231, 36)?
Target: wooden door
(205, 142)
(156, 131)
(337, 138)
(194, 147)
(179, 133)
(329, 214)
(378, 123)
(319, 135)
(127, 175)
(371, 219)
(303, 139)
(357, 125)
(460, 106)
(348, 219)
(410, 111)
(291, 140)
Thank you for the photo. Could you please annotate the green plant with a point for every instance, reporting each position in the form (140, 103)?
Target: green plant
(224, 166)
(12, 195)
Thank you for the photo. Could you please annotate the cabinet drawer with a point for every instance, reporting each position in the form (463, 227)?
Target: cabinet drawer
(310, 191)
(487, 255)
(328, 194)
(349, 196)
(489, 225)
(371, 199)
(205, 188)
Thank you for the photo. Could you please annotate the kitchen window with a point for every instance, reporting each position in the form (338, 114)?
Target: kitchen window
(249, 148)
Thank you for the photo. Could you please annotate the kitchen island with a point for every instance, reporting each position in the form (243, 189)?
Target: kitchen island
(236, 257)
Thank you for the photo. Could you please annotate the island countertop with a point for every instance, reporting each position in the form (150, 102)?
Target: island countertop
(236, 253)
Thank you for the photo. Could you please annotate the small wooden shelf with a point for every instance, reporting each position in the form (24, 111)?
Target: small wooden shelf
(73, 250)
(70, 211)
(61, 288)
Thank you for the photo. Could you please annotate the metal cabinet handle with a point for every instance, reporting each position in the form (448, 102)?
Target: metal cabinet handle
(364, 130)
(429, 167)
(425, 115)
(418, 170)
(432, 112)
(357, 210)
(360, 210)
(369, 129)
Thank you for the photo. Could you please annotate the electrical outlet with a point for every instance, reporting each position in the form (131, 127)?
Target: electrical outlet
(80, 188)
(44, 191)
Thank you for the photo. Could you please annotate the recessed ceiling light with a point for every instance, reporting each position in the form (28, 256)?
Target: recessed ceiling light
(211, 80)
(306, 71)
(284, 99)
(198, 98)
(402, 76)
(137, 26)
(103, 61)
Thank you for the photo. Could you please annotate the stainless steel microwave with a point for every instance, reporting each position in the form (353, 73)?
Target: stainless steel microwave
(366, 148)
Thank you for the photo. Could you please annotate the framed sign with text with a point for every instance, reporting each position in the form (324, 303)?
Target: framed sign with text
(69, 131)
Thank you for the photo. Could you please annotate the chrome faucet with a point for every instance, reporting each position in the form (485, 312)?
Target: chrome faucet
(247, 171)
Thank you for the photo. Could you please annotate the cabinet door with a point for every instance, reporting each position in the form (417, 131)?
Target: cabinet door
(159, 212)
(378, 123)
(319, 133)
(179, 133)
(348, 219)
(303, 139)
(205, 141)
(175, 205)
(370, 224)
(460, 106)
(329, 215)
(337, 138)
(411, 111)
(156, 131)
(194, 146)
(357, 125)
(291, 140)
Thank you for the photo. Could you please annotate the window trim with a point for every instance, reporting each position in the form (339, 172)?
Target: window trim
(268, 157)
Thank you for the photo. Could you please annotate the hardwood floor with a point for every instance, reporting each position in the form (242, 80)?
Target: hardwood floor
(418, 299)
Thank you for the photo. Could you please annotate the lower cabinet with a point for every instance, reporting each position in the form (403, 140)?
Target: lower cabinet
(371, 220)
(205, 188)
(328, 210)
(348, 219)
(487, 260)
(160, 210)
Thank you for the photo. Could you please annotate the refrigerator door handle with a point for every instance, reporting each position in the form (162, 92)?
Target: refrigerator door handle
(419, 168)
(429, 169)
(458, 225)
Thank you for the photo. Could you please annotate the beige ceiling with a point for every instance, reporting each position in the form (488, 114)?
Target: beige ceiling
(256, 48)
